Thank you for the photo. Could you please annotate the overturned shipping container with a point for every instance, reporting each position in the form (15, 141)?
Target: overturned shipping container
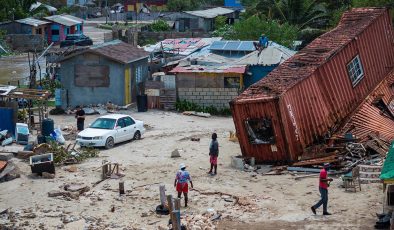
(308, 97)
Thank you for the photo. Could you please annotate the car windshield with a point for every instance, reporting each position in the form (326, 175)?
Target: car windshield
(72, 37)
(103, 123)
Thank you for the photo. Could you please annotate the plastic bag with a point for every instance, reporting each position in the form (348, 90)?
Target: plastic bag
(58, 136)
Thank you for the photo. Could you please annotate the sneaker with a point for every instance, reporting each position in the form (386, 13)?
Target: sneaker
(326, 213)
(313, 210)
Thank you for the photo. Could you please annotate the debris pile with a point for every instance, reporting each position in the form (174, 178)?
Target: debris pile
(101, 109)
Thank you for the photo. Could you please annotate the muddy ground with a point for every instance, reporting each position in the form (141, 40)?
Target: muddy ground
(265, 202)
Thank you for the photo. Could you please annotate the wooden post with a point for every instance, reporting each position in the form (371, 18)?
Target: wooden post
(162, 195)
(176, 223)
(121, 188)
(177, 202)
(171, 209)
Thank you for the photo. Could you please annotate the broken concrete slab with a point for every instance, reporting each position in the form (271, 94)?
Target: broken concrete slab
(175, 153)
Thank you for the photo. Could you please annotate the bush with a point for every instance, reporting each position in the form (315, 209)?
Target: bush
(183, 105)
(159, 25)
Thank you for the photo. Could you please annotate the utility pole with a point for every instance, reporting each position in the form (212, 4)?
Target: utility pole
(106, 11)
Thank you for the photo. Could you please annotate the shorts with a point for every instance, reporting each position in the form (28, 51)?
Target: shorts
(213, 160)
(182, 187)
(80, 125)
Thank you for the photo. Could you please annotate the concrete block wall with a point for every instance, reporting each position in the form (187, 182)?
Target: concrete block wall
(218, 97)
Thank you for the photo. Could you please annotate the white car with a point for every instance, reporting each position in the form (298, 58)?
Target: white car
(108, 130)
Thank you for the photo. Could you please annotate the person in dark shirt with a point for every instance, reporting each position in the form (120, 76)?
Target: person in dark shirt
(214, 153)
(80, 116)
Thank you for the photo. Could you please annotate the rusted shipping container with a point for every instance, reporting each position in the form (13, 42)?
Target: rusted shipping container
(309, 96)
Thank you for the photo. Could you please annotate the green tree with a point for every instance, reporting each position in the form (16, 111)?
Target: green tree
(220, 21)
(159, 25)
(252, 27)
(182, 5)
(14, 9)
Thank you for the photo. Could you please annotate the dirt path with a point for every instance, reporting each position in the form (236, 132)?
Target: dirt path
(276, 202)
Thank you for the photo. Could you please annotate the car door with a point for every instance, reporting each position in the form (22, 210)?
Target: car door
(121, 131)
(131, 128)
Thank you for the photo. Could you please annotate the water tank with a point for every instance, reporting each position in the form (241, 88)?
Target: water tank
(142, 103)
(47, 127)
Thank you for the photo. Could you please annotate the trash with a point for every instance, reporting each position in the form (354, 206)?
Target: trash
(237, 162)
(48, 175)
(195, 139)
(6, 156)
(22, 133)
(57, 135)
(7, 141)
(198, 114)
(175, 153)
(42, 163)
(72, 169)
(3, 133)
(3, 164)
(10, 172)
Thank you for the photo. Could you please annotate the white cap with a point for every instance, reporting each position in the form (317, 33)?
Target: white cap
(182, 165)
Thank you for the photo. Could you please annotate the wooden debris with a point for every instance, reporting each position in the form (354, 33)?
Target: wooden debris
(198, 114)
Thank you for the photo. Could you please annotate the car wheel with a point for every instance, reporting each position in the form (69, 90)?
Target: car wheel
(109, 143)
(137, 135)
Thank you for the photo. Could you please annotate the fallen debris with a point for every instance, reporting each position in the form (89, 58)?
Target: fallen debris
(10, 172)
(198, 114)
(175, 153)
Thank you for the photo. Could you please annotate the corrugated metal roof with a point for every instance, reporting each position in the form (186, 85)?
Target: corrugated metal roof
(368, 118)
(181, 46)
(274, 54)
(115, 50)
(32, 22)
(211, 13)
(209, 69)
(305, 62)
(65, 19)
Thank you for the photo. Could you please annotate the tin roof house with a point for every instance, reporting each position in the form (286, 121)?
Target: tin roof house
(312, 94)
(113, 71)
(63, 25)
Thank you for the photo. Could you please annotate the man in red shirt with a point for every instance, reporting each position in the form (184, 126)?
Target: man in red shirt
(323, 188)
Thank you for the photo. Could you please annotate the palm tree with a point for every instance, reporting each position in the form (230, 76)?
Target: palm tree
(302, 13)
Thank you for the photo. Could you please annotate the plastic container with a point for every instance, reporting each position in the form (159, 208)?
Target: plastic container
(42, 163)
(47, 127)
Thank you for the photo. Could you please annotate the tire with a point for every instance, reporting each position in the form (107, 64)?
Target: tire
(109, 143)
(137, 135)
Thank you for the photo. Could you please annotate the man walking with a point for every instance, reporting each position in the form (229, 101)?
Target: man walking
(80, 116)
(181, 182)
(323, 188)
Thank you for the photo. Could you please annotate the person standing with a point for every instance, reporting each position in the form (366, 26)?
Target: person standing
(213, 154)
(323, 188)
(181, 182)
(80, 116)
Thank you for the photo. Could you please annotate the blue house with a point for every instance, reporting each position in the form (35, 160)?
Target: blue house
(260, 64)
(63, 25)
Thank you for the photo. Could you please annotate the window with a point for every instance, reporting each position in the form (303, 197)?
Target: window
(231, 82)
(355, 70)
(39, 31)
(121, 123)
(260, 131)
(55, 32)
(128, 121)
(138, 74)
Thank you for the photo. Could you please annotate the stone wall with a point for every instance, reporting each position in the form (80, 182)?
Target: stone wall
(218, 97)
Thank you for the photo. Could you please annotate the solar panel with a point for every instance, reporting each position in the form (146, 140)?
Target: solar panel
(246, 46)
(233, 46)
(217, 45)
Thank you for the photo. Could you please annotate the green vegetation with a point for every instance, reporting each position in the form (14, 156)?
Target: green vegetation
(159, 25)
(183, 105)
(182, 5)
(14, 9)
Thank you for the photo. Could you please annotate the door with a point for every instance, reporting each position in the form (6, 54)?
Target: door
(127, 85)
(130, 127)
(121, 131)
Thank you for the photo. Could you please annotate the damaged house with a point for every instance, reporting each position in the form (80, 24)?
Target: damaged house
(114, 71)
(342, 81)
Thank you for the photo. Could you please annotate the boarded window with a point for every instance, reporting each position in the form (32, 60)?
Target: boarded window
(231, 82)
(91, 76)
(355, 70)
(260, 131)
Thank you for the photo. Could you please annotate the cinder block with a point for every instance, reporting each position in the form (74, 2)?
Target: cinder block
(207, 97)
(203, 93)
(214, 97)
(206, 89)
(199, 89)
(195, 93)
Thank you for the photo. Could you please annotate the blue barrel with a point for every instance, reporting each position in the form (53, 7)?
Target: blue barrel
(47, 127)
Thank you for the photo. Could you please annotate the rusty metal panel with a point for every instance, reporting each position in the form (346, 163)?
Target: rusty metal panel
(262, 152)
(91, 76)
(313, 89)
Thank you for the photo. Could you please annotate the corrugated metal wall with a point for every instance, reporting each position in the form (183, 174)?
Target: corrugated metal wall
(7, 120)
(315, 107)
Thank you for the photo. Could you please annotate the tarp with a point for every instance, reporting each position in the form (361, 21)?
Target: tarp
(388, 166)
